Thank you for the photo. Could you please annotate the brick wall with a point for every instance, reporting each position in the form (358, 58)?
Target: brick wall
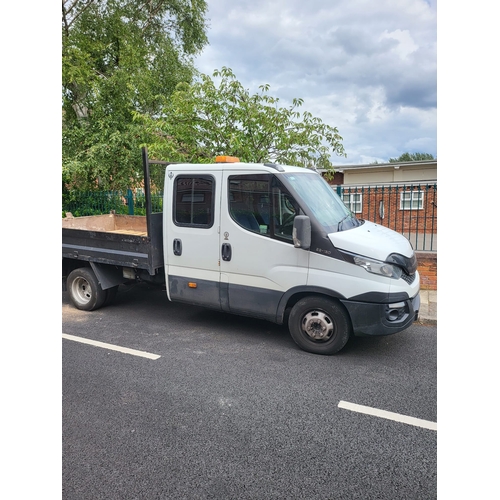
(427, 268)
(371, 199)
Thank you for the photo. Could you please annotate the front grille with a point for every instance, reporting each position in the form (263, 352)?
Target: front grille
(409, 278)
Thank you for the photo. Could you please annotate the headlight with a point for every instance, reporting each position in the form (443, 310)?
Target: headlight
(378, 267)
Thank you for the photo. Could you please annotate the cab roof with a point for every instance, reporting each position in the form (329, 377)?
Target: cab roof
(235, 166)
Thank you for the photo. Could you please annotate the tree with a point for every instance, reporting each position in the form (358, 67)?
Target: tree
(203, 120)
(120, 57)
(412, 157)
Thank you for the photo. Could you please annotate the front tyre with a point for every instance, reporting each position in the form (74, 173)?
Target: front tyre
(319, 325)
(84, 289)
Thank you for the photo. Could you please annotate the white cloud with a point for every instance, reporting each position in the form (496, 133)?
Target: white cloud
(368, 68)
(406, 44)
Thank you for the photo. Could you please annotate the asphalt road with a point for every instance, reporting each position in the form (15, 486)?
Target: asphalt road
(233, 409)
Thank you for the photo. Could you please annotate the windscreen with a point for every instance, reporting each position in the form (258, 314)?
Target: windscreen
(322, 202)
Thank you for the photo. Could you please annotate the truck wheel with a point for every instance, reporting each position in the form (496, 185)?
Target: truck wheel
(319, 325)
(84, 290)
(110, 295)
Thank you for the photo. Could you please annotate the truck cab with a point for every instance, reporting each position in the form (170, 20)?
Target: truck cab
(276, 242)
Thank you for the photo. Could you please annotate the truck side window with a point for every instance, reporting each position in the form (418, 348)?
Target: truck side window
(284, 209)
(194, 201)
(260, 204)
(249, 201)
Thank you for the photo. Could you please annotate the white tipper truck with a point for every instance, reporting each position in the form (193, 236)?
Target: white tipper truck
(257, 239)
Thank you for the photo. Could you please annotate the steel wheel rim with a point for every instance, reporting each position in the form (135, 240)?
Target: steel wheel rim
(318, 326)
(82, 291)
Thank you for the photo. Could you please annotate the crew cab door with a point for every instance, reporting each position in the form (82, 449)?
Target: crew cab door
(259, 263)
(191, 238)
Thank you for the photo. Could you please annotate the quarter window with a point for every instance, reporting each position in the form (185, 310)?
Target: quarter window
(194, 201)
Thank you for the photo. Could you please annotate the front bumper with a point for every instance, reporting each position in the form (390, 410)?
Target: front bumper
(382, 319)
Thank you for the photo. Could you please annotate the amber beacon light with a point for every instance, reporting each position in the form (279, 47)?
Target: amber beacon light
(226, 159)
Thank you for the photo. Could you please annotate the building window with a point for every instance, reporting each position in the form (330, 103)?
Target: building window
(412, 200)
(354, 202)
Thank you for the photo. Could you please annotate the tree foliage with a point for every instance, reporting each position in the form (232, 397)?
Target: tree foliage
(412, 157)
(206, 119)
(120, 57)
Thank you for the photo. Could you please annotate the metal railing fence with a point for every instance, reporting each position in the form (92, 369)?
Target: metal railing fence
(81, 203)
(409, 209)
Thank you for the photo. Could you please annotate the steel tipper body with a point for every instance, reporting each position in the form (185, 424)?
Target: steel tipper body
(101, 252)
(113, 240)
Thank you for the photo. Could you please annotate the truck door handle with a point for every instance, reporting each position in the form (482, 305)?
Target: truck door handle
(177, 247)
(226, 251)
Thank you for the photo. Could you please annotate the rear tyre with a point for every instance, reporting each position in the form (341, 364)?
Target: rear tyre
(319, 325)
(85, 292)
(110, 295)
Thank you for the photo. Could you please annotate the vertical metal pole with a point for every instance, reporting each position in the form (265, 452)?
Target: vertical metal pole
(147, 188)
(383, 205)
(434, 208)
(389, 207)
(401, 192)
(130, 202)
(426, 212)
(363, 197)
(417, 218)
(394, 200)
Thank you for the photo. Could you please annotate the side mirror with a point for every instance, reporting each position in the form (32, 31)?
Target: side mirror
(301, 233)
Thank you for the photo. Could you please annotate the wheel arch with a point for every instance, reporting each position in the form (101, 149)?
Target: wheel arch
(292, 296)
(108, 275)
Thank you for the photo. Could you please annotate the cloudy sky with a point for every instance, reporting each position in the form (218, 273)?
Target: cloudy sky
(366, 67)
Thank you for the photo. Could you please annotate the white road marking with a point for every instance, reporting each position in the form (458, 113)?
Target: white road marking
(426, 424)
(112, 347)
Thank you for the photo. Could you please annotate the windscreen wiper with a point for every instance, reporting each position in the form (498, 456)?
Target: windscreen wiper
(339, 225)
